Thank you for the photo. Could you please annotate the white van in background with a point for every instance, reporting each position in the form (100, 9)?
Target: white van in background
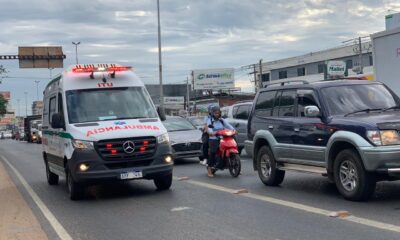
(99, 124)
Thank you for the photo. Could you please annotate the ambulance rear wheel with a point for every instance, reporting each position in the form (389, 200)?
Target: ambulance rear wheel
(75, 189)
(52, 178)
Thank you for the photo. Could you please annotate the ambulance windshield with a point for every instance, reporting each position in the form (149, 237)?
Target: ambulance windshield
(92, 105)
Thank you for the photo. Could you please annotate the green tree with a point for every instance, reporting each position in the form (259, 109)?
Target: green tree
(3, 101)
(2, 72)
(3, 105)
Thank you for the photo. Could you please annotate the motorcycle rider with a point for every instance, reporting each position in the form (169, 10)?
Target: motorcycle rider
(204, 137)
(215, 123)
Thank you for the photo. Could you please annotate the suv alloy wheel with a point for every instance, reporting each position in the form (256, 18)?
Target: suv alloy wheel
(267, 169)
(352, 181)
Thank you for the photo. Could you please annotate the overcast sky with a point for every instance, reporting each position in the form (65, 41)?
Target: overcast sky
(196, 34)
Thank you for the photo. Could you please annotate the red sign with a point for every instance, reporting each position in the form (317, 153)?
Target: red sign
(6, 95)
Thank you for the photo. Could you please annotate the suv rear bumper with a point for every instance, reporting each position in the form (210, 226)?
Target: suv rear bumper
(384, 159)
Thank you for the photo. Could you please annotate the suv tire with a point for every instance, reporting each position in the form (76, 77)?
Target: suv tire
(267, 169)
(352, 181)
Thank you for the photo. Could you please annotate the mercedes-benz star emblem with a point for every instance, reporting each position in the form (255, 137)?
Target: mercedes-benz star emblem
(129, 147)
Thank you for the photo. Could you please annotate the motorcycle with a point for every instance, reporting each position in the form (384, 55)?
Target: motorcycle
(228, 152)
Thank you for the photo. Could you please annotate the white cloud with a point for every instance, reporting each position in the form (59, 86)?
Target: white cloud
(129, 15)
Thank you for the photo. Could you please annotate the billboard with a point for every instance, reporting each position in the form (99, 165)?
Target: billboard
(6, 94)
(213, 79)
(40, 57)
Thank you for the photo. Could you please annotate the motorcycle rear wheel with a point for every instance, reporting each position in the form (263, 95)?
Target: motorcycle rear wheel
(234, 165)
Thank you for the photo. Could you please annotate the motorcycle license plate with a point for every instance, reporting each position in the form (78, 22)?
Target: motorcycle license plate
(131, 175)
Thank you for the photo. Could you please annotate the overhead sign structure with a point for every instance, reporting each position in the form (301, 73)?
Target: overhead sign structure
(214, 79)
(40, 57)
(336, 69)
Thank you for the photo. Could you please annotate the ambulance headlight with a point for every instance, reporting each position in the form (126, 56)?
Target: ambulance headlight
(80, 144)
(164, 138)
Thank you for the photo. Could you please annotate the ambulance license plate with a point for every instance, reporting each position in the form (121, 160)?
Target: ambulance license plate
(131, 175)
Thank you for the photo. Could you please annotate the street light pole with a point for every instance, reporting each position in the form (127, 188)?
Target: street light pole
(19, 113)
(37, 89)
(26, 104)
(76, 50)
(159, 58)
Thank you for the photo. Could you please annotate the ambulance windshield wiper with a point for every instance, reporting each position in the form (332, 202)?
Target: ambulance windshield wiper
(126, 118)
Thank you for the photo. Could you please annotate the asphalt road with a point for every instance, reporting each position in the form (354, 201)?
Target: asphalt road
(204, 208)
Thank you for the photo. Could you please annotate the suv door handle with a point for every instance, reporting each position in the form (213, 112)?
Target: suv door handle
(297, 129)
(270, 127)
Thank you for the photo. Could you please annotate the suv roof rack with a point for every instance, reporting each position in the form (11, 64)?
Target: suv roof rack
(283, 82)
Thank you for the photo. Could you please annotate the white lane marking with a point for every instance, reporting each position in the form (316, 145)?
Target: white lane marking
(302, 207)
(58, 228)
(178, 209)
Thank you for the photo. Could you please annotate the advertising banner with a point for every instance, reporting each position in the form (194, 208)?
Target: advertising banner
(336, 69)
(6, 94)
(214, 79)
(174, 100)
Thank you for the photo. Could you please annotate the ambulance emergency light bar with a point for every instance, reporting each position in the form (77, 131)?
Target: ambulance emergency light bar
(90, 68)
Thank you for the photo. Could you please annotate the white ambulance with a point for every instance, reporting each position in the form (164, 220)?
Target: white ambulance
(99, 123)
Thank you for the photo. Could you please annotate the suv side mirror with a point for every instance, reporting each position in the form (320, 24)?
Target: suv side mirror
(161, 113)
(57, 121)
(312, 111)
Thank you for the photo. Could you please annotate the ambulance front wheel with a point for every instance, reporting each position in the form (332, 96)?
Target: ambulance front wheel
(75, 189)
(164, 182)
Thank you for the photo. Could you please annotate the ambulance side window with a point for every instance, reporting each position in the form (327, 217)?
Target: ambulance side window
(60, 104)
(52, 107)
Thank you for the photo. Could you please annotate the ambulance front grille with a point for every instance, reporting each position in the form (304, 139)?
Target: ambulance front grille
(113, 152)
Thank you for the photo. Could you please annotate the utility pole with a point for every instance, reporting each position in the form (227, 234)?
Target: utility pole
(159, 58)
(360, 56)
(76, 50)
(187, 95)
(37, 89)
(260, 85)
(255, 78)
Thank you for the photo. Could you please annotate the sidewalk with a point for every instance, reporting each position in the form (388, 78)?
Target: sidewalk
(17, 220)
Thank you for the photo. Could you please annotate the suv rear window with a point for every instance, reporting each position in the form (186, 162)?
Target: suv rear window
(265, 104)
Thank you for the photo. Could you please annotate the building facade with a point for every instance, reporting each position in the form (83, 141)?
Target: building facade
(37, 107)
(311, 66)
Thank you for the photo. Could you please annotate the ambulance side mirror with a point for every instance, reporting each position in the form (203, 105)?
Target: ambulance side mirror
(57, 121)
(161, 113)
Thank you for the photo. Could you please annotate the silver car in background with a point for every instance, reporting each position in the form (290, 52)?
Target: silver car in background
(198, 122)
(237, 115)
(185, 138)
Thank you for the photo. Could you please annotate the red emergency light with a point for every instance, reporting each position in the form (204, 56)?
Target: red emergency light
(101, 68)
